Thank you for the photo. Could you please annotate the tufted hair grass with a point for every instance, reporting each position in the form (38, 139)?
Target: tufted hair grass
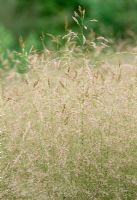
(68, 128)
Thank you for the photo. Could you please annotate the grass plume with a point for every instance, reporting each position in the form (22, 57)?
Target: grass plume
(68, 129)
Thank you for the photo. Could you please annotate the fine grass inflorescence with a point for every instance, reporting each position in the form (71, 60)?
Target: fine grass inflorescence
(69, 125)
(68, 128)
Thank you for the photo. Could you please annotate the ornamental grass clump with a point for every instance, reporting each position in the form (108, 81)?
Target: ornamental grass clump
(68, 128)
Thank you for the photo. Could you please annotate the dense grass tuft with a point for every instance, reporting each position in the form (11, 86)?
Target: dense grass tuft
(69, 129)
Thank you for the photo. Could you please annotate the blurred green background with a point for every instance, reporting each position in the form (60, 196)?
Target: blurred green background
(29, 18)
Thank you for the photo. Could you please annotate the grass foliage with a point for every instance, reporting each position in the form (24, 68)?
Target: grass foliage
(68, 128)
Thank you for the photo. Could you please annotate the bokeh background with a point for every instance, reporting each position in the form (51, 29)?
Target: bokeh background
(117, 19)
